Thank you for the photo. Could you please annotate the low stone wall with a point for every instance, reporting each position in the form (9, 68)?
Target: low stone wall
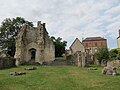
(114, 63)
(7, 62)
(78, 58)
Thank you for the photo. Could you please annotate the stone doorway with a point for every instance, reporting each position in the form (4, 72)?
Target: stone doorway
(32, 52)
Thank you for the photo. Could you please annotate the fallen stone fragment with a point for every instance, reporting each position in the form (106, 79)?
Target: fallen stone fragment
(17, 73)
(109, 71)
(33, 68)
(92, 68)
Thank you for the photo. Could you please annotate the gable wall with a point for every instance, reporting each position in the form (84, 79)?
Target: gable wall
(77, 46)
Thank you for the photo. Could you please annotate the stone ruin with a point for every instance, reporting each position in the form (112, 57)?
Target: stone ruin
(114, 63)
(7, 62)
(111, 68)
(32, 68)
(22, 73)
(77, 54)
(33, 45)
(79, 59)
(17, 73)
(92, 68)
(109, 71)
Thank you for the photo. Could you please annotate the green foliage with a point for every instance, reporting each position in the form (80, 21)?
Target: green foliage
(102, 54)
(115, 54)
(8, 31)
(118, 56)
(60, 58)
(59, 46)
(69, 59)
(7, 62)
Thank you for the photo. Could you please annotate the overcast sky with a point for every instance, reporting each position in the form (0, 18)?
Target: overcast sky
(69, 18)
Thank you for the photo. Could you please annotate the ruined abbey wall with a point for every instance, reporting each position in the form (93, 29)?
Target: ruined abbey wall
(34, 45)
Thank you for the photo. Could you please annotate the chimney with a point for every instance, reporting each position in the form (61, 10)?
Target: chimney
(38, 23)
(44, 24)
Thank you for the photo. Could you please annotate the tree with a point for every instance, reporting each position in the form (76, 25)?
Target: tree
(8, 31)
(118, 56)
(102, 54)
(59, 46)
(113, 54)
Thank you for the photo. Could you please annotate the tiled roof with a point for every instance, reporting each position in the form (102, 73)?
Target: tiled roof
(93, 38)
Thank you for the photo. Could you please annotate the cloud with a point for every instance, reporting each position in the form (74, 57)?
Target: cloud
(68, 18)
(114, 10)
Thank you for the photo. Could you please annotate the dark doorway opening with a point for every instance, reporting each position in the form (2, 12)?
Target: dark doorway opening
(32, 54)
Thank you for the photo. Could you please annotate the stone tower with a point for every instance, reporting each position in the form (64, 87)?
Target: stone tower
(34, 45)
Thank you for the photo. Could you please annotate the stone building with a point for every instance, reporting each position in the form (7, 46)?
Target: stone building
(77, 52)
(33, 45)
(118, 40)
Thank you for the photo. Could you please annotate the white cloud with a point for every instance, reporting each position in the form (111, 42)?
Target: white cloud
(114, 10)
(112, 29)
(68, 18)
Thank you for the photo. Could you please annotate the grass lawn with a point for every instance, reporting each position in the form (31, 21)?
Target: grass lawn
(60, 58)
(58, 78)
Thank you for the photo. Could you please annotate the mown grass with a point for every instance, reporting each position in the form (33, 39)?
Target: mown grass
(58, 78)
(60, 58)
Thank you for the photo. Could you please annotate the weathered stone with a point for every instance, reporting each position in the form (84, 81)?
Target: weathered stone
(3, 54)
(33, 68)
(92, 68)
(114, 63)
(78, 54)
(33, 45)
(79, 59)
(109, 71)
(17, 73)
(7, 62)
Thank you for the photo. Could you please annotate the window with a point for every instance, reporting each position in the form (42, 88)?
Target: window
(96, 44)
